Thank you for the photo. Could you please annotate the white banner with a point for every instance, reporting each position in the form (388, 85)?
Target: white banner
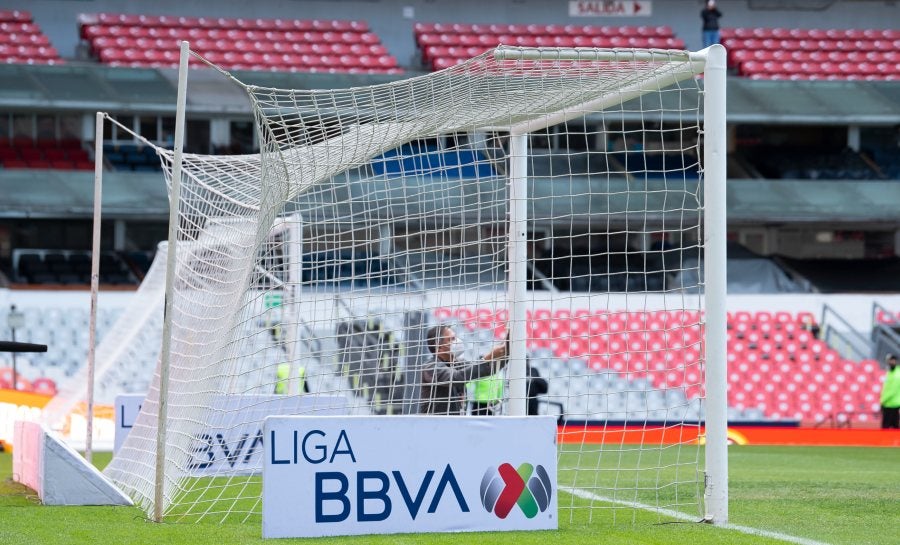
(326, 476)
(598, 8)
(233, 444)
(127, 407)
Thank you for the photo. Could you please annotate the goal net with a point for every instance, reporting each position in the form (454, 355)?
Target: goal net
(552, 197)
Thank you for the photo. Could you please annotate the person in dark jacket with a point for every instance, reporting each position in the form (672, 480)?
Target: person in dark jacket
(710, 16)
(443, 389)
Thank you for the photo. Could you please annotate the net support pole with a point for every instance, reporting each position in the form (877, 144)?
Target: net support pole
(95, 284)
(165, 351)
(291, 309)
(518, 273)
(715, 231)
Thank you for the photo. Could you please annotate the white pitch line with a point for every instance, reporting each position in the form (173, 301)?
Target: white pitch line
(587, 495)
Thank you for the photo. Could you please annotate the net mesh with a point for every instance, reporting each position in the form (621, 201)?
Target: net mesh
(309, 275)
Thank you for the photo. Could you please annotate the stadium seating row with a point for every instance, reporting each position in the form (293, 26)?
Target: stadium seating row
(446, 45)
(833, 164)
(16, 38)
(169, 21)
(23, 42)
(738, 44)
(301, 47)
(32, 52)
(254, 61)
(763, 55)
(821, 70)
(238, 44)
(15, 16)
(776, 53)
(53, 158)
(131, 157)
(58, 267)
(491, 40)
(49, 154)
(65, 331)
(541, 29)
(173, 34)
(40, 385)
(810, 33)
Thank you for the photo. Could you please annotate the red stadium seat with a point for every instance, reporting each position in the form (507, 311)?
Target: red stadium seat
(15, 15)
(44, 386)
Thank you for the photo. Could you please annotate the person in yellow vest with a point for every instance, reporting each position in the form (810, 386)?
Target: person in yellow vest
(487, 394)
(283, 379)
(890, 395)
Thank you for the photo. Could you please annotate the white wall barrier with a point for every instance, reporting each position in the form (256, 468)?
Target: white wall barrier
(59, 475)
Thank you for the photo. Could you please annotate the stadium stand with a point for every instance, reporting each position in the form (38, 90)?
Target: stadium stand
(782, 53)
(843, 275)
(290, 45)
(131, 157)
(778, 369)
(780, 162)
(65, 331)
(23, 42)
(69, 268)
(888, 161)
(24, 152)
(442, 45)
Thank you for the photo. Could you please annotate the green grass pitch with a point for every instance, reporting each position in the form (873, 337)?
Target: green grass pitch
(827, 494)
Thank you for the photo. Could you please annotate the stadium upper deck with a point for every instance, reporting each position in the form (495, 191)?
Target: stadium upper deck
(57, 102)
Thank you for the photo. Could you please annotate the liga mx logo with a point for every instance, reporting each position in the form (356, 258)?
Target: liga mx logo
(503, 487)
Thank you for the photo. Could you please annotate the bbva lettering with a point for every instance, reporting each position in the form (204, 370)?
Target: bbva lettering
(204, 454)
(373, 486)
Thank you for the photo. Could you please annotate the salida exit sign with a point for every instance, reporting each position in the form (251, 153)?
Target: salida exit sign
(623, 8)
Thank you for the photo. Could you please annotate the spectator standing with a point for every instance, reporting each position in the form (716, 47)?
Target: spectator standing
(890, 395)
(710, 16)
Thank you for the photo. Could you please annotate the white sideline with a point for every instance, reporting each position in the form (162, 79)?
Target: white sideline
(587, 495)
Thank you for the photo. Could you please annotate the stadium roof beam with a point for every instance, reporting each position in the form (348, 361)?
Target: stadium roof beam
(90, 87)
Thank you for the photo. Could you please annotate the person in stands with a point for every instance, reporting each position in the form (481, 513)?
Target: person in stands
(710, 16)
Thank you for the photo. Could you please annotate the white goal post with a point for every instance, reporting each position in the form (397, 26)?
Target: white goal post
(572, 200)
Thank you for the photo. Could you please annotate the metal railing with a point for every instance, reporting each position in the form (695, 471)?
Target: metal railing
(840, 335)
(885, 332)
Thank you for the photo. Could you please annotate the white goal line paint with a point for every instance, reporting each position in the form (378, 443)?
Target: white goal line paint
(587, 495)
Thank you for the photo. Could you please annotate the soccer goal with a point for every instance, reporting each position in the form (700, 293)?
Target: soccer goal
(572, 200)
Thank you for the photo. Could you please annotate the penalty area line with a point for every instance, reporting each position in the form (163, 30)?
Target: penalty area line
(587, 495)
